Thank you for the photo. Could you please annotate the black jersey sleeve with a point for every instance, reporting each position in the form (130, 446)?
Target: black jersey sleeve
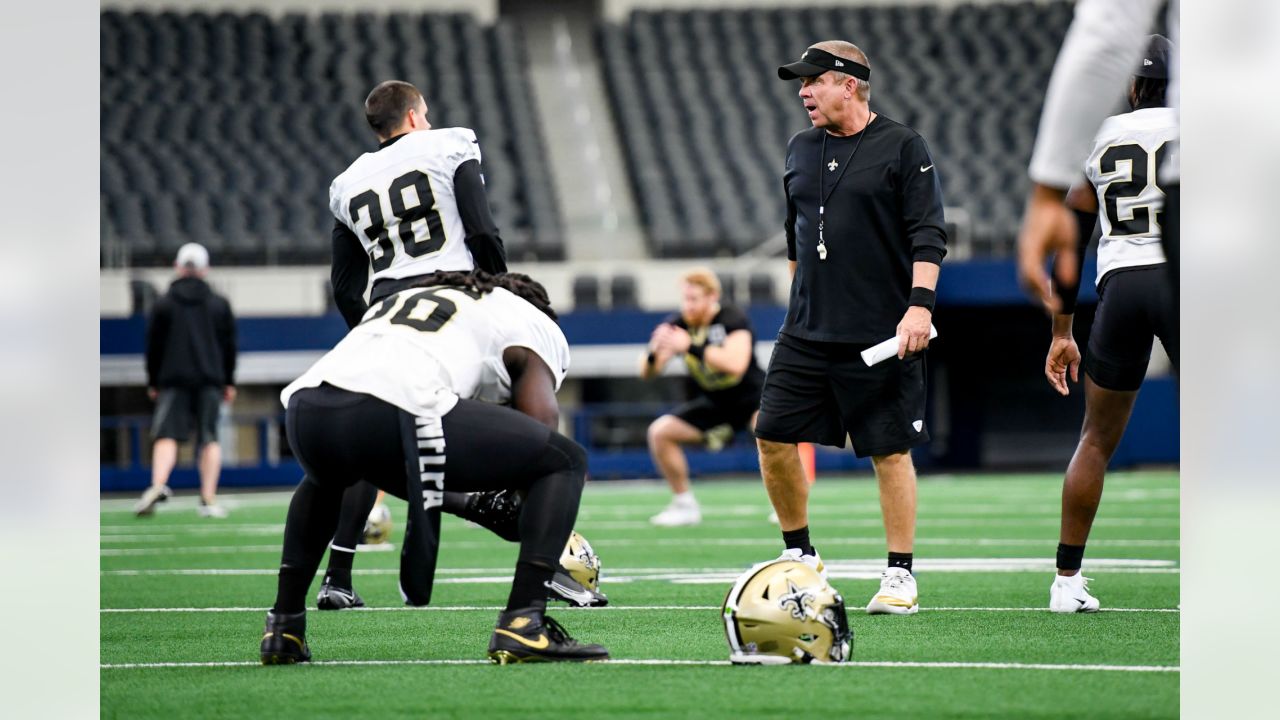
(477, 220)
(734, 319)
(675, 319)
(349, 274)
(922, 203)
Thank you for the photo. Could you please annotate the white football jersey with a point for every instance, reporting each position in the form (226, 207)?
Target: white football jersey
(1122, 167)
(423, 348)
(399, 201)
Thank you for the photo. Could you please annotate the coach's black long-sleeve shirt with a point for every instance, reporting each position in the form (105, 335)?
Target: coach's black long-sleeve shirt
(349, 273)
(884, 214)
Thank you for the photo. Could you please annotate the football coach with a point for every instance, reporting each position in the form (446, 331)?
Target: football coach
(865, 241)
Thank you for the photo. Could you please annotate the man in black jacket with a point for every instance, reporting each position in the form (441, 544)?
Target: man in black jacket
(191, 365)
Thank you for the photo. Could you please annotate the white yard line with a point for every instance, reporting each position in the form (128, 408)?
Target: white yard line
(666, 662)
(624, 608)
(836, 569)
(669, 542)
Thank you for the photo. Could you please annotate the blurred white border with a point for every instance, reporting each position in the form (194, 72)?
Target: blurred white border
(48, 359)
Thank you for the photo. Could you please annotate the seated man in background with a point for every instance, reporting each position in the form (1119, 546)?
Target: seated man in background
(718, 347)
(389, 404)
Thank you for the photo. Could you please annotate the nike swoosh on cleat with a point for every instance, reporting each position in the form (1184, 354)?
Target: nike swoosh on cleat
(896, 602)
(540, 644)
(582, 596)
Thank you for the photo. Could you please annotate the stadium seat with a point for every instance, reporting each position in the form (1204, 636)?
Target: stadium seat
(586, 292)
(622, 293)
(706, 179)
(205, 105)
(760, 290)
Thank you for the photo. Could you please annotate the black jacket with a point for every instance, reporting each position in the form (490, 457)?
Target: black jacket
(191, 338)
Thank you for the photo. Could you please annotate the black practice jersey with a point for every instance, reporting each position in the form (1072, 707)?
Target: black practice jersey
(721, 387)
(882, 213)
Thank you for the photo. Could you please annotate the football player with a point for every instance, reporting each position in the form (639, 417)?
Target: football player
(414, 206)
(390, 403)
(1122, 194)
(717, 345)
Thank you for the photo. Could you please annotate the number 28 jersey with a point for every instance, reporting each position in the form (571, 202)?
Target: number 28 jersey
(423, 348)
(1122, 167)
(399, 201)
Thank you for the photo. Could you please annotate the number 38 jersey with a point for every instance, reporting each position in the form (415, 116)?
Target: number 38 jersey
(1122, 167)
(421, 349)
(399, 202)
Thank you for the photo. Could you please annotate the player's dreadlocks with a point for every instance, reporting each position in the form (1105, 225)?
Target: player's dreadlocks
(518, 284)
(1148, 93)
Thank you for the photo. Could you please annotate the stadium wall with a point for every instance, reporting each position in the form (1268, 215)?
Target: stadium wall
(484, 10)
(619, 9)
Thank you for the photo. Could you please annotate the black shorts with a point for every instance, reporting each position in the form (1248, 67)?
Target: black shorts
(705, 414)
(177, 408)
(340, 437)
(822, 392)
(1135, 305)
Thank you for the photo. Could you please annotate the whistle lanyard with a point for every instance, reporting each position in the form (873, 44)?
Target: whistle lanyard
(825, 195)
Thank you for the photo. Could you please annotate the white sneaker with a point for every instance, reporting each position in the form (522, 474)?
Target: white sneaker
(897, 595)
(678, 514)
(211, 511)
(153, 495)
(1070, 594)
(814, 561)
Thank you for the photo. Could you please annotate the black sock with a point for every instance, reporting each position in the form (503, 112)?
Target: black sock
(529, 587)
(455, 502)
(900, 560)
(798, 539)
(291, 593)
(1070, 557)
(339, 570)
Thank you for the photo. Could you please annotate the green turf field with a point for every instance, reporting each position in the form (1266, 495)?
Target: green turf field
(183, 600)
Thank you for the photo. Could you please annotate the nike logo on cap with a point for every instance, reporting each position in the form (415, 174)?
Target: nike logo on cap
(540, 644)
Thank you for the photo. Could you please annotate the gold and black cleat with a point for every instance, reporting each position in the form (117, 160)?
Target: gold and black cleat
(284, 641)
(527, 635)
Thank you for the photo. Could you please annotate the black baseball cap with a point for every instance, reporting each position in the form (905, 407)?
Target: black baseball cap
(814, 62)
(1155, 59)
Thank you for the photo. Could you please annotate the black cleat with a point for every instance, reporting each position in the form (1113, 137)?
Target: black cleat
(527, 635)
(333, 597)
(284, 641)
(497, 511)
(563, 587)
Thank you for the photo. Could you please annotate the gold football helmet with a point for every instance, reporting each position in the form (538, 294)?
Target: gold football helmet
(377, 529)
(782, 611)
(581, 561)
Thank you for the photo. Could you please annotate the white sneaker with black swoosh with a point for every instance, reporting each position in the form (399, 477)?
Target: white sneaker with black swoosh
(1070, 594)
(897, 594)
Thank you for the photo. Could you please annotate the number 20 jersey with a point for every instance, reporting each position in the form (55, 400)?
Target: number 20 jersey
(408, 185)
(1122, 167)
(421, 349)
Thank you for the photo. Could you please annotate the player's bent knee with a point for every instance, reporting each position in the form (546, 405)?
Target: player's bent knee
(573, 456)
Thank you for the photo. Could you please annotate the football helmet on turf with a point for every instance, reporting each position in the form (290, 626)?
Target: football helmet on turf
(377, 529)
(581, 561)
(782, 611)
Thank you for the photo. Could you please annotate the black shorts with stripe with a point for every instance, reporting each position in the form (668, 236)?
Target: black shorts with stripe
(823, 392)
(1135, 306)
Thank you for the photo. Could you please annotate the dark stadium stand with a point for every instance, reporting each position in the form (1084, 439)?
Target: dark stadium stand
(227, 128)
(705, 121)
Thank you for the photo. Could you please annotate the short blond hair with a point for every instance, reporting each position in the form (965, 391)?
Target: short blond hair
(703, 278)
(848, 51)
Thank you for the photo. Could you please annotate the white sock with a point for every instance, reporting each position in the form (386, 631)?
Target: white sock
(685, 498)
